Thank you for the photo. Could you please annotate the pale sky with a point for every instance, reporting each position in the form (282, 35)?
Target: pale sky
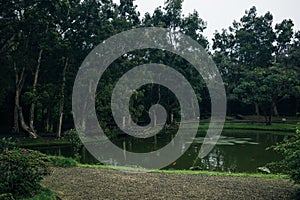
(220, 13)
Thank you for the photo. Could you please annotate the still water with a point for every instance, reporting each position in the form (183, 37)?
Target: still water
(233, 152)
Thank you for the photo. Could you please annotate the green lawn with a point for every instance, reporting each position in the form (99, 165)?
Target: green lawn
(40, 141)
(276, 128)
(208, 173)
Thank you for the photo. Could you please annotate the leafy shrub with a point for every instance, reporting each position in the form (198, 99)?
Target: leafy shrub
(6, 144)
(297, 194)
(59, 161)
(290, 149)
(6, 196)
(73, 137)
(21, 171)
(44, 194)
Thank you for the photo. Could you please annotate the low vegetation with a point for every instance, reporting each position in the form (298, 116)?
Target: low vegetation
(290, 149)
(21, 171)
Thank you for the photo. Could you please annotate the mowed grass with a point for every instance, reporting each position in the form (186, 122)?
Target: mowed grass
(247, 127)
(40, 141)
(195, 172)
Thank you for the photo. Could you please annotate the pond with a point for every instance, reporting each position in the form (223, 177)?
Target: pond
(243, 152)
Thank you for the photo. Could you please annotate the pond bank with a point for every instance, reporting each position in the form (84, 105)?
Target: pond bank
(98, 183)
(229, 127)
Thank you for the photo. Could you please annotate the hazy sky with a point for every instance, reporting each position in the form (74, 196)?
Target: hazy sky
(220, 13)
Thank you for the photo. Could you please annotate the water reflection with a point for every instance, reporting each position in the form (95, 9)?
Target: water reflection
(243, 153)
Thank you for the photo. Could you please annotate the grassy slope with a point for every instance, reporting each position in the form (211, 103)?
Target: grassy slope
(209, 173)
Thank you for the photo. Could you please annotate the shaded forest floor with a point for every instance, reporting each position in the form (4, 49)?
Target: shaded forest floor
(96, 183)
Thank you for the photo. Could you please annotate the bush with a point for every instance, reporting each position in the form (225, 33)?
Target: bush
(290, 149)
(59, 161)
(6, 144)
(21, 171)
(73, 137)
(6, 196)
(297, 194)
(44, 194)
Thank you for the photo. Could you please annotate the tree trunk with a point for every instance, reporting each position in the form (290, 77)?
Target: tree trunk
(269, 122)
(16, 128)
(19, 82)
(257, 109)
(123, 122)
(154, 119)
(36, 76)
(18, 113)
(193, 110)
(62, 99)
(25, 126)
(276, 111)
(129, 120)
(47, 127)
(172, 118)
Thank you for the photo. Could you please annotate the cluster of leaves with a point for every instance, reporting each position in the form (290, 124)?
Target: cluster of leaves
(51, 39)
(6, 144)
(21, 171)
(290, 149)
(73, 137)
(60, 161)
(259, 63)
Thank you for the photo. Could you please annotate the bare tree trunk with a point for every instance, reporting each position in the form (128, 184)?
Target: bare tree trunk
(24, 125)
(257, 109)
(129, 120)
(193, 110)
(154, 119)
(36, 76)
(269, 122)
(276, 113)
(62, 99)
(123, 122)
(19, 81)
(47, 123)
(18, 114)
(16, 128)
(172, 118)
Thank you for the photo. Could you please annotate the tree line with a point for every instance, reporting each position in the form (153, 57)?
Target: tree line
(43, 43)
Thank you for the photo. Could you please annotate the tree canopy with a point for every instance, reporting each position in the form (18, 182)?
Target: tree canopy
(43, 43)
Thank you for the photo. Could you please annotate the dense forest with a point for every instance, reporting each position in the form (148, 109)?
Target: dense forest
(43, 44)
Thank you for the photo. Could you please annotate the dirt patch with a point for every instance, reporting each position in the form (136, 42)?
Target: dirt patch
(91, 183)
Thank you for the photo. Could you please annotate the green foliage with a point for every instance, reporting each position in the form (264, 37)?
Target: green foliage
(60, 161)
(254, 59)
(6, 196)
(44, 194)
(259, 62)
(6, 144)
(73, 137)
(297, 194)
(21, 171)
(290, 149)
